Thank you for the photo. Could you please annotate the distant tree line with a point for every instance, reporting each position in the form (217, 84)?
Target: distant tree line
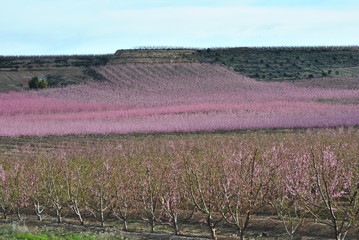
(12, 57)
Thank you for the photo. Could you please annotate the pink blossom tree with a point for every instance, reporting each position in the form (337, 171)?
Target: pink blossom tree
(75, 177)
(18, 188)
(124, 186)
(55, 185)
(99, 190)
(331, 193)
(203, 186)
(150, 187)
(245, 180)
(36, 191)
(289, 175)
(5, 202)
(174, 198)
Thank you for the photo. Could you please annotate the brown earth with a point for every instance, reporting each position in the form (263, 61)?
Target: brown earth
(262, 228)
(155, 56)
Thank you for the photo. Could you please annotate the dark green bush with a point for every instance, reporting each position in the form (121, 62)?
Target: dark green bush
(36, 83)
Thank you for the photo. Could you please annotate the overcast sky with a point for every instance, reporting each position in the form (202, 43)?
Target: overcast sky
(40, 27)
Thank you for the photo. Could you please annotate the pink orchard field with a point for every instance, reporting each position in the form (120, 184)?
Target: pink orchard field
(173, 98)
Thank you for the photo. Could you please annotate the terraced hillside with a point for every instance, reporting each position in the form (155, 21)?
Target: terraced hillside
(265, 64)
(155, 56)
(278, 64)
(60, 70)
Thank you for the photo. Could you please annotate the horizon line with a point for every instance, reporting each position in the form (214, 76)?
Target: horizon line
(331, 47)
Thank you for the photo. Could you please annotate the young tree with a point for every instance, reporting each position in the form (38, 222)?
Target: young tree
(36, 191)
(99, 190)
(18, 188)
(289, 175)
(5, 202)
(245, 179)
(174, 197)
(54, 181)
(149, 184)
(124, 193)
(332, 192)
(36, 83)
(75, 181)
(203, 186)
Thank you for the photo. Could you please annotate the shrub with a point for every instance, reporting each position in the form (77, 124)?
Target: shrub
(37, 83)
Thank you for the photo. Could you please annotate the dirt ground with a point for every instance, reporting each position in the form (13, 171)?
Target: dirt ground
(261, 228)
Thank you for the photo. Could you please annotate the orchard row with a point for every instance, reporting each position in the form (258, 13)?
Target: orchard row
(302, 177)
(173, 98)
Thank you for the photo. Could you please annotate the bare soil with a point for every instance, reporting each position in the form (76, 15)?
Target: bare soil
(262, 227)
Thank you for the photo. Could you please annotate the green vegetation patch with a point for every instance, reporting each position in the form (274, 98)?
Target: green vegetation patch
(9, 232)
(280, 63)
(351, 71)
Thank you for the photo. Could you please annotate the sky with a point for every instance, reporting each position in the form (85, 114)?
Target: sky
(51, 27)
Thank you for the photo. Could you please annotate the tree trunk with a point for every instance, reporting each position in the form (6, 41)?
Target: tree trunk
(18, 213)
(213, 232)
(38, 211)
(175, 224)
(75, 208)
(212, 227)
(59, 217)
(152, 223)
(39, 217)
(123, 217)
(4, 212)
(80, 218)
(102, 217)
(125, 224)
(340, 236)
(241, 235)
(58, 213)
(291, 237)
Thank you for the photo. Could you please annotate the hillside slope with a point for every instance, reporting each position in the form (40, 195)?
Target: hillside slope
(155, 56)
(281, 63)
(177, 97)
(265, 64)
(60, 70)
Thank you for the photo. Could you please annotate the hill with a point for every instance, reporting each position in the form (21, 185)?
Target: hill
(150, 56)
(60, 70)
(310, 64)
(173, 97)
(280, 63)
